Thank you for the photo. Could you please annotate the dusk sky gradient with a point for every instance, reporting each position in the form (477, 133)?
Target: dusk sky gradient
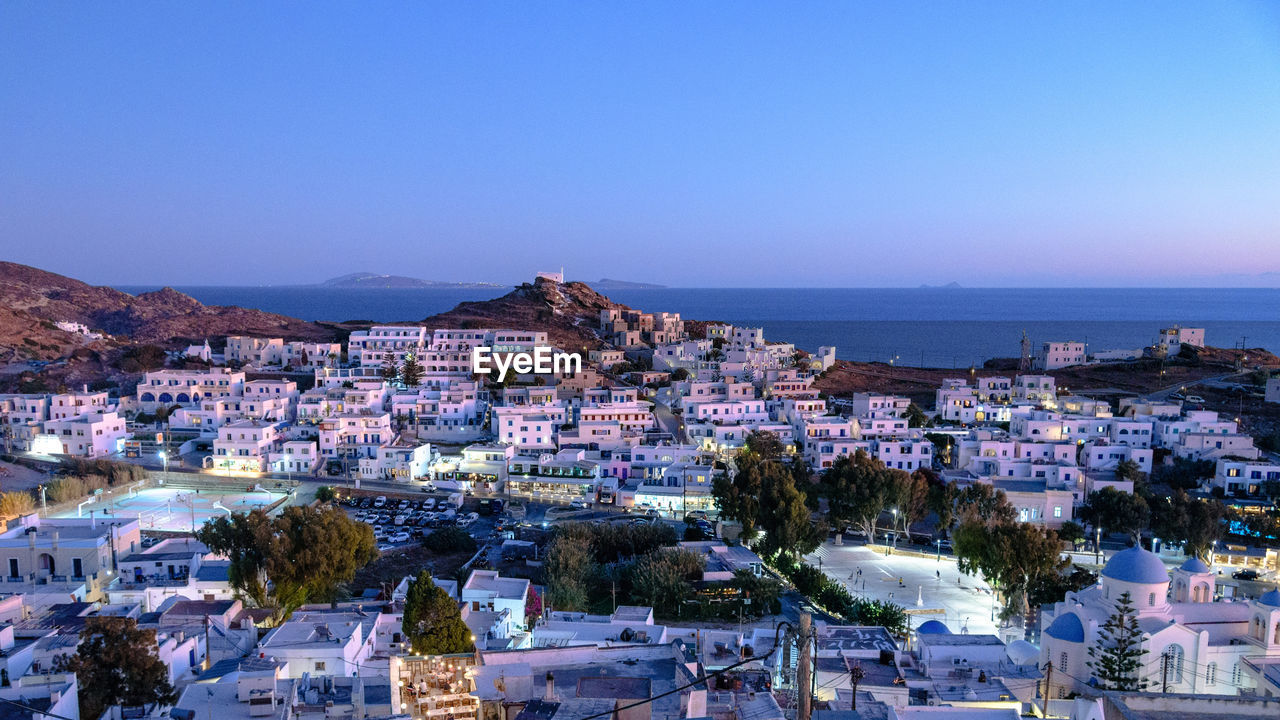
(707, 144)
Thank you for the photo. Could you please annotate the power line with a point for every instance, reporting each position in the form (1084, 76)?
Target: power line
(33, 710)
(777, 635)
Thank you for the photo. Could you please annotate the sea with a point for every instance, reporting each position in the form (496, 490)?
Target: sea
(931, 327)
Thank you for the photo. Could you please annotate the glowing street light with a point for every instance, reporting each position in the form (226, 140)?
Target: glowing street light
(164, 457)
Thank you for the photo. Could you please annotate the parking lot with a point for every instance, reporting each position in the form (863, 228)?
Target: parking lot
(401, 520)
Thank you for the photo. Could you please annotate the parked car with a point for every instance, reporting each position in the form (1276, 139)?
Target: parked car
(399, 537)
(380, 501)
(429, 503)
(1245, 574)
(1195, 399)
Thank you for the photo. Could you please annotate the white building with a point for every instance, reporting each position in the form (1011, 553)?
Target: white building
(1054, 355)
(1172, 339)
(1244, 476)
(183, 387)
(332, 643)
(1189, 642)
(401, 461)
(83, 436)
(244, 446)
(486, 590)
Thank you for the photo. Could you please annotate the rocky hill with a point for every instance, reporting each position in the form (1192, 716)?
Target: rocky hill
(33, 299)
(568, 312)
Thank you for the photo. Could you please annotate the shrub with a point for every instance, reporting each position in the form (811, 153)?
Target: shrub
(15, 504)
(71, 487)
(450, 539)
(324, 493)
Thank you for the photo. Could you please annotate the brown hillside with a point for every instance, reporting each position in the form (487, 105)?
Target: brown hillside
(165, 316)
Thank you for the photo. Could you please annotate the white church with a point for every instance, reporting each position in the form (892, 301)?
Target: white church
(1208, 644)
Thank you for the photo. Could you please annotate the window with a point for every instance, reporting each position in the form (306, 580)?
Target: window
(1211, 674)
(13, 567)
(1151, 599)
(1175, 655)
(1057, 511)
(319, 666)
(1062, 662)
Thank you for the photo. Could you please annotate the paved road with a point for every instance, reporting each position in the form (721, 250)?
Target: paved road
(1166, 392)
(663, 400)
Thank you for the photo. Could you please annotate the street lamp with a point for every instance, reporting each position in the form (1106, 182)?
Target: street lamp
(895, 528)
(938, 542)
(288, 469)
(1213, 552)
(164, 457)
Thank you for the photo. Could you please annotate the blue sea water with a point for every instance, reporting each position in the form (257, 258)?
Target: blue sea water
(936, 327)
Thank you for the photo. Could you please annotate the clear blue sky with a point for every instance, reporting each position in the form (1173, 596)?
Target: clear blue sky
(693, 144)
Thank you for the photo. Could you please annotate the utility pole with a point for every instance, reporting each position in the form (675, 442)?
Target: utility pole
(1048, 684)
(1164, 671)
(803, 668)
(856, 673)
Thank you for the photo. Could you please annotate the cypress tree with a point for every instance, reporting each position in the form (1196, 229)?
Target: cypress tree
(1116, 659)
(432, 622)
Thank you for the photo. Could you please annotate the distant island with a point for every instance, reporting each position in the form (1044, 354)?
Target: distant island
(949, 286)
(374, 280)
(608, 284)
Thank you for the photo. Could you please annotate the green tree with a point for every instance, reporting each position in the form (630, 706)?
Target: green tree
(1194, 523)
(763, 593)
(1071, 531)
(432, 622)
(858, 489)
(737, 495)
(568, 570)
(1128, 470)
(1116, 658)
(916, 417)
(985, 503)
(664, 580)
(325, 494)
(942, 446)
(306, 554)
(882, 613)
(765, 444)
(411, 370)
(1182, 473)
(909, 495)
(679, 375)
(1012, 556)
(117, 664)
(390, 371)
(1116, 511)
(785, 516)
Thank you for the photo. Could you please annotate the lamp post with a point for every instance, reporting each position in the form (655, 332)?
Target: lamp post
(1213, 552)
(1097, 545)
(938, 542)
(164, 457)
(288, 469)
(895, 528)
